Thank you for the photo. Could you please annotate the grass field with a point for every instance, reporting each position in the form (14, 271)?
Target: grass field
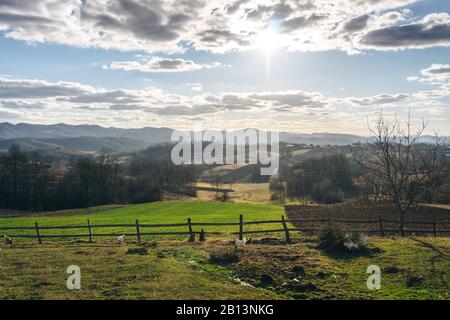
(178, 270)
(243, 192)
(172, 269)
(107, 272)
(246, 192)
(153, 213)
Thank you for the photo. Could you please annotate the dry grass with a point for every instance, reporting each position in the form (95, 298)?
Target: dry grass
(243, 192)
(108, 272)
(178, 270)
(302, 271)
(442, 206)
(300, 152)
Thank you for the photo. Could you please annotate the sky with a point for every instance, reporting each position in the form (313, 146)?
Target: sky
(290, 65)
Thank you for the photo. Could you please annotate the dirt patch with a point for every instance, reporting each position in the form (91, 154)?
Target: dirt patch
(140, 251)
(370, 212)
(391, 270)
(266, 280)
(298, 270)
(271, 241)
(413, 281)
(286, 269)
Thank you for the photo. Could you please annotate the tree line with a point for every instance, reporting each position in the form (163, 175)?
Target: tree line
(28, 182)
(395, 165)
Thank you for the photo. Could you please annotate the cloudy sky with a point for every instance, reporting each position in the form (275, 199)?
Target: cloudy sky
(291, 65)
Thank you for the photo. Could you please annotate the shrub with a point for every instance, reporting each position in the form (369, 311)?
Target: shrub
(226, 257)
(224, 197)
(266, 280)
(337, 240)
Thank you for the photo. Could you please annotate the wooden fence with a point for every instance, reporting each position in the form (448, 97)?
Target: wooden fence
(380, 228)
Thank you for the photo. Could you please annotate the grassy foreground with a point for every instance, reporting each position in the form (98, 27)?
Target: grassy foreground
(178, 270)
(171, 268)
(107, 272)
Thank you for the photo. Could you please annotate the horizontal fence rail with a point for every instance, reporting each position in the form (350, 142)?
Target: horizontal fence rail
(381, 228)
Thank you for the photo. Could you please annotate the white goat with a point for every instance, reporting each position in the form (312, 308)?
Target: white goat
(8, 240)
(240, 244)
(121, 239)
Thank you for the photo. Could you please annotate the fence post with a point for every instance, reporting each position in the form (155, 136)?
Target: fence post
(90, 230)
(434, 228)
(241, 227)
(286, 230)
(191, 232)
(380, 219)
(138, 233)
(38, 233)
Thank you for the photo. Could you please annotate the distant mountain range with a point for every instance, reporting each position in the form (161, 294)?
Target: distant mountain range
(24, 130)
(94, 138)
(87, 138)
(82, 144)
(321, 138)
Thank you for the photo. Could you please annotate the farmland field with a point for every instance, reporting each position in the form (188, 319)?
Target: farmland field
(153, 213)
(171, 268)
(243, 192)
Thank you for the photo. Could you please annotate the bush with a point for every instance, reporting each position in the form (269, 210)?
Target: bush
(226, 257)
(224, 197)
(276, 196)
(337, 240)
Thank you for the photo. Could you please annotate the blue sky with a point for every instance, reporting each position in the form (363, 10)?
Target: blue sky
(272, 64)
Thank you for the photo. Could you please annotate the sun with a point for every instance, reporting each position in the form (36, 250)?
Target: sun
(268, 40)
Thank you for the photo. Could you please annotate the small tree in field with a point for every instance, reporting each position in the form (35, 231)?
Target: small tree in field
(277, 187)
(401, 162)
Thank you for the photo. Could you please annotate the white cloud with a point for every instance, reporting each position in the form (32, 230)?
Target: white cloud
(379, 99)
(220, 25)
(196, 87)
(432, 30)
(158, 64)
(438, 75)
(40, 101)
(35, 89)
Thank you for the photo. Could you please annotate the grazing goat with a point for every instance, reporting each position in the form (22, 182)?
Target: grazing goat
(240, 244)
(121, 239)
(8, 240)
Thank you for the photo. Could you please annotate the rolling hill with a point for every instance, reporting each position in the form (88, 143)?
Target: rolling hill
(81, 144)
(89, 138)
(148, 135)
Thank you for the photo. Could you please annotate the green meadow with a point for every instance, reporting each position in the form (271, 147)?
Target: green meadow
(168, 267)
(170, 212)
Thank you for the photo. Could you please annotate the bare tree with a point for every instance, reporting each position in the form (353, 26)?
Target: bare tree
(218, 177)
(403, 164)
(277, 187)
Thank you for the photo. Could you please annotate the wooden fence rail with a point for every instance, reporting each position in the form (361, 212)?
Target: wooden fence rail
(381, 229)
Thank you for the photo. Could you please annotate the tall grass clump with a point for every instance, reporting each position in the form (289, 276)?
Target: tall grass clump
(227, 257)
(335, 239)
